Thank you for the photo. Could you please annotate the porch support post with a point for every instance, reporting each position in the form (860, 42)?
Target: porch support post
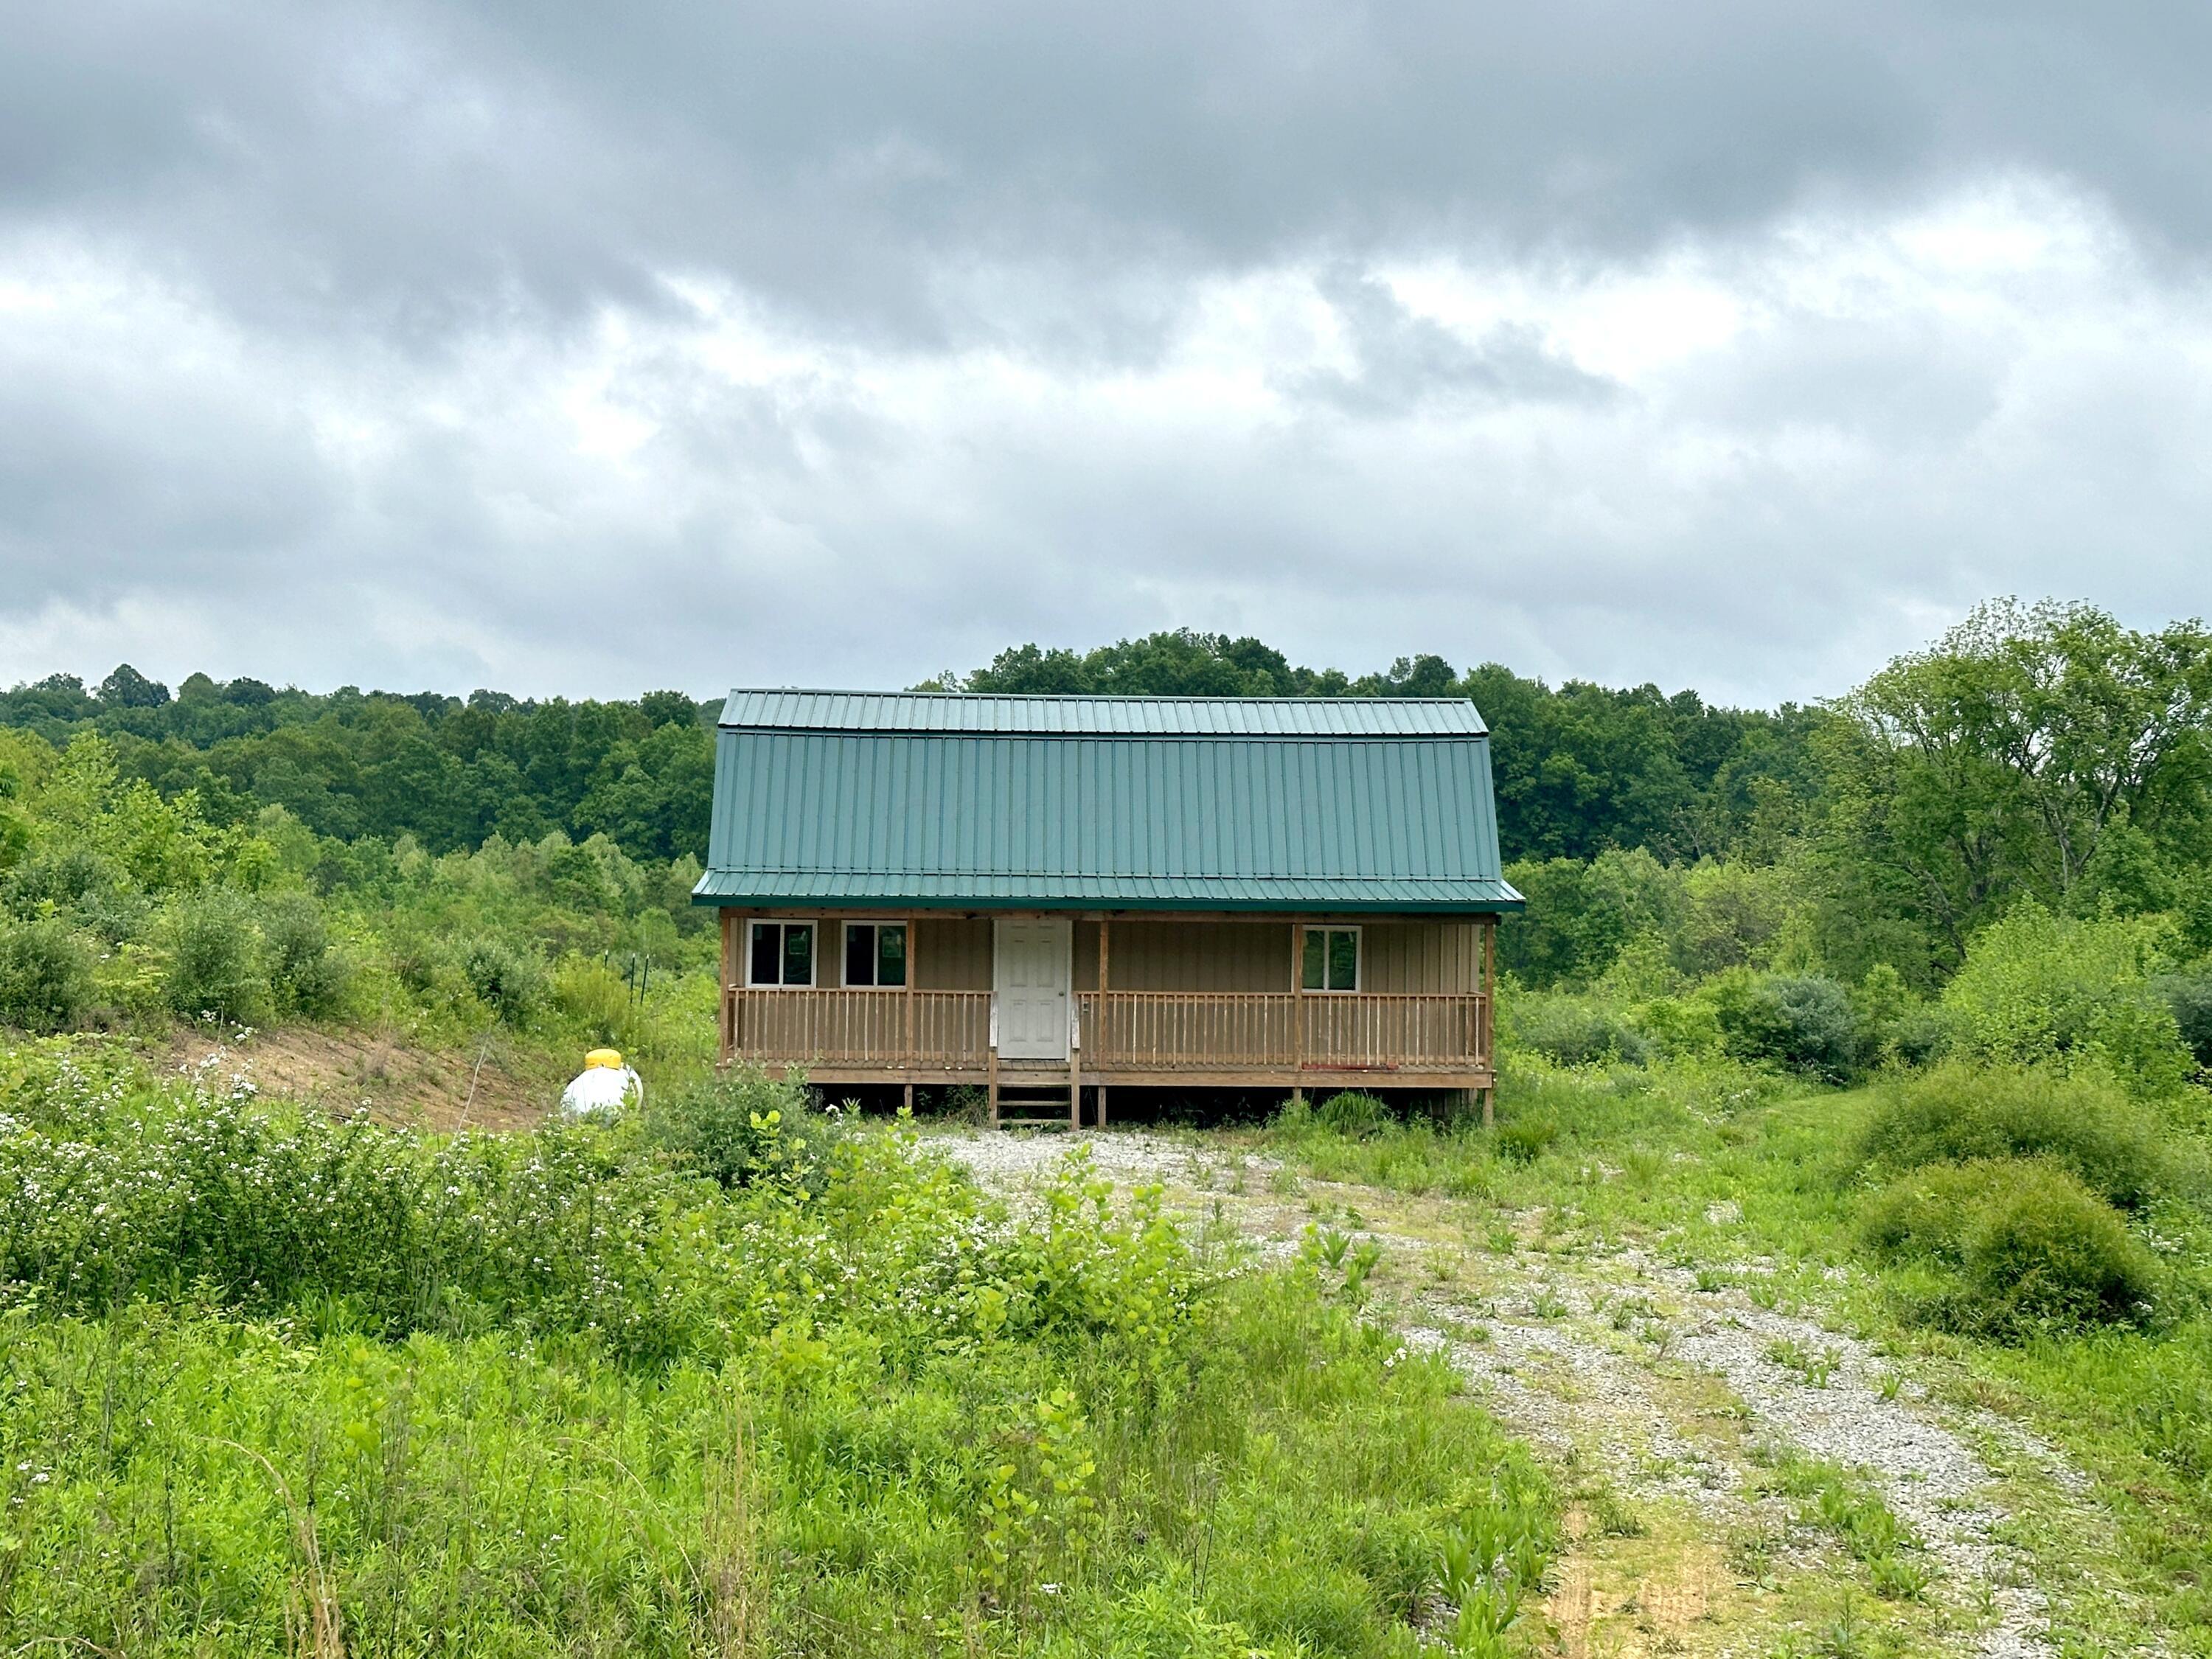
(733, 940)
(1298, 1011)
(909, 1000)
(1488, 1013)
(1098, 1066)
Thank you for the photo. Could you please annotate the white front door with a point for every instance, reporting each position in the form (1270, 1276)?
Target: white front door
(1033, 957)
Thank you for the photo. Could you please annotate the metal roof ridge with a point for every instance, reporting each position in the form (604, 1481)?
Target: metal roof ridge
(1080, 696)
(1074, 715)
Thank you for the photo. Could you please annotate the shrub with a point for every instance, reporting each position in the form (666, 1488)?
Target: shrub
(741, 1125)
(1960, 1113)
(509, 980)
(212, 964)
(2037, 987)
(307, 975)
(46, 976)
(1353, 1114)
(63, 879)
(2189, 996)
(1526, 1139)
(593, 995)
(2028, 1245)
(1803, 1021)
(1576, 1031)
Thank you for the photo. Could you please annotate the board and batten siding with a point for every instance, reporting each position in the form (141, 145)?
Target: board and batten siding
(953, 953)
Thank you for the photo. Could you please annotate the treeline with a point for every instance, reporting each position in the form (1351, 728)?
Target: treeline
(1580, 769)
(450, 773)
(2044, 754)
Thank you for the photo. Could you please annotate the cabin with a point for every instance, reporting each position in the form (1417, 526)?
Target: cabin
(1052, 897)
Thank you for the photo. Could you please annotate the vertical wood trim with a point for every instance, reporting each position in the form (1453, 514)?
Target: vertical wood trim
(912, 934)
(1298, 1007)
(733, 936)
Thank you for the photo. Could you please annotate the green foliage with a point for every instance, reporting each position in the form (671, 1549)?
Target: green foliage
(215, 957)
(45, 975)
(2026, 1245)
(305, 974)
(2038, 987)
(1839, 1503)
(1961, 1113)
(1525, 1140)
(2027, 746)
(509, 1396)
(1803, 1021)
(1352, 1112)
(2189, 997)
(739, 1126)
(1578, 1031)
(510, 979)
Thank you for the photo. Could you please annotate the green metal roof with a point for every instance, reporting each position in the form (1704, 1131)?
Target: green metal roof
(964, 801)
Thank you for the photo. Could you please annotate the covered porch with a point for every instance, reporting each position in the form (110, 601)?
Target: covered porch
(1046, 1004)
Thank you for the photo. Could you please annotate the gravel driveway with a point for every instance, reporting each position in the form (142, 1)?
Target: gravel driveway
(1663, 1398)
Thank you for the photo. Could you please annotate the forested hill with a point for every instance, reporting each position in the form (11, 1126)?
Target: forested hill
(2042, 753)
(448, 771)
(1580, 769)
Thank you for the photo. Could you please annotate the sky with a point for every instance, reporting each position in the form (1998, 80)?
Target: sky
(586, 350)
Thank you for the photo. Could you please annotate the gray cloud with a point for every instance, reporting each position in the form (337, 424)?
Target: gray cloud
(578, 348)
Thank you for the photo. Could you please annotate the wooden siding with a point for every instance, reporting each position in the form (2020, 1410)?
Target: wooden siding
(952, 953)
(1410, 956)
(1185, 956)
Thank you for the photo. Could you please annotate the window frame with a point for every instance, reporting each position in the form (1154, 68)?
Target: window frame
(1358, 957)
(813, 954)
(845, 951)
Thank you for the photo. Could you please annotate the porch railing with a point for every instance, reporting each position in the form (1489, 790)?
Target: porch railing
(1164, 1031)
(856, 1027)
(1178, 1030)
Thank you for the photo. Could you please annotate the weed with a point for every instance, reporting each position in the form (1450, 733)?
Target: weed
(1813, 1366)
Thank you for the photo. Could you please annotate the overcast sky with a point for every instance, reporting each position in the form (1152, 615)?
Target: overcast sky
(589, 348)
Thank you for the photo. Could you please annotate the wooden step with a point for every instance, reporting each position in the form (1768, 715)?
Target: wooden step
(1034, 1094)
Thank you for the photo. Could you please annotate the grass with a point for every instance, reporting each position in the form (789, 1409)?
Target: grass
(843, 1405)
(1745, 1180)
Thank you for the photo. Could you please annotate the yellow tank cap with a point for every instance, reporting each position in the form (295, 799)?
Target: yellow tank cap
(607, 1057)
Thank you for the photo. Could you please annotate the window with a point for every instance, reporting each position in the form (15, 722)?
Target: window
(783, 953)
(875, 953)
(1332, 959)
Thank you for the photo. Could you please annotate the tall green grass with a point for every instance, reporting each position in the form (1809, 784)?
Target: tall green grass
(330, 1387)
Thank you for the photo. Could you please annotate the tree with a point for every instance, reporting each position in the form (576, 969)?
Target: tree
(2002, 761)
(127, 688)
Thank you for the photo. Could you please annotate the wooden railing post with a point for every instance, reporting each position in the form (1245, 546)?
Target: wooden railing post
(1298, 1011)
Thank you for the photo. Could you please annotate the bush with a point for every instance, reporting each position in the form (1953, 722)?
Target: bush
(1526, 1139)
(1575, 1031)
(307, 976)
(509, 980)
(1353, 1114)
(46, 976)
(2028, 1246)
(741, 1125)
(2037, 988)
(214, 966)
(1961, 1113)
(1803, 1021)
(2189, 996)
(593, 995)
